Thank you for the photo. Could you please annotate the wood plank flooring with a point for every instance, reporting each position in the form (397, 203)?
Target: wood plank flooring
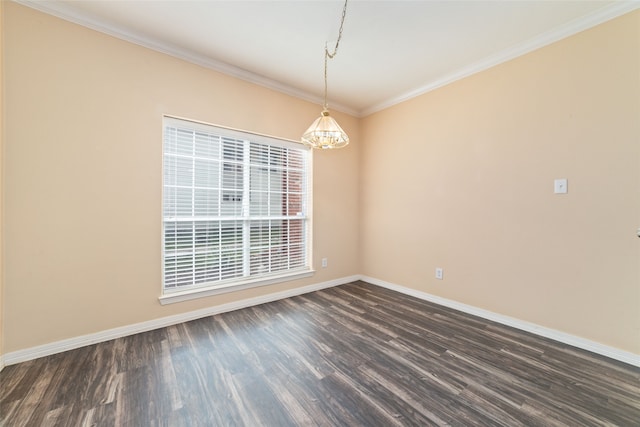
(353, 355)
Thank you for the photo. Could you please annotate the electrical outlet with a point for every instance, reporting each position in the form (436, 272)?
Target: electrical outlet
(325, 262)
(439, 273)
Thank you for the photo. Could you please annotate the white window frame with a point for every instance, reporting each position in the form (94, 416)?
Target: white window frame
(247, 280)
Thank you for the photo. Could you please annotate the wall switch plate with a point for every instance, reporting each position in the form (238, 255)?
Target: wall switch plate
(560, 186)
(439, 273)
(325, 262)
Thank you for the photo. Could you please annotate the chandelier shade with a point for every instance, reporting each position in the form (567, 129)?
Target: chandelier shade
(325, 133)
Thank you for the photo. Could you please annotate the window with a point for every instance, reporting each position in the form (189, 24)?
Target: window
(234, 210)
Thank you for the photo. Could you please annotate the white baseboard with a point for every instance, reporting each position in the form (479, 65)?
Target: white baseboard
(84, 340)
(572, 340)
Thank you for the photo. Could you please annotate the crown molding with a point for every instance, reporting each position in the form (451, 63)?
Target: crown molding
(572, 27)
(64, 11)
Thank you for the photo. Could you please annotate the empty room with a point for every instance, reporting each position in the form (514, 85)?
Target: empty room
(320, 213)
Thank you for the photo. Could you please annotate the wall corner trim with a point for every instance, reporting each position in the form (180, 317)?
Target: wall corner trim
(565, 338)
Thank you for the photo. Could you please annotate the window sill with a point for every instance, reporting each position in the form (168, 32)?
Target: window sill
(203, 292)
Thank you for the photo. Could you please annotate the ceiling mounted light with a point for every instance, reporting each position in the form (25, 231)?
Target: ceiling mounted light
(325, 132)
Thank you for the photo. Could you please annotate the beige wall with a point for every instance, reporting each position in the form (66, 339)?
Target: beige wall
(462, 178)
(83, 156)
(473, 162)
(1, 180)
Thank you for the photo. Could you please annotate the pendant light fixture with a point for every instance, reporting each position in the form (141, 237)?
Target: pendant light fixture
(325, 132)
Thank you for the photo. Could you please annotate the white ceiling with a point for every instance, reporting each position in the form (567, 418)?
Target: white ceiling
(390, 50)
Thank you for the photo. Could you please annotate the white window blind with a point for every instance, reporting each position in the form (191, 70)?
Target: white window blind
(235, 206)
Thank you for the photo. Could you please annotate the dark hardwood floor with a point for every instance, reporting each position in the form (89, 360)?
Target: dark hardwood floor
(353, 355)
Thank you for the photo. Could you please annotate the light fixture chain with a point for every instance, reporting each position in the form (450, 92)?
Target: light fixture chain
(328, 55)
(335, 49)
